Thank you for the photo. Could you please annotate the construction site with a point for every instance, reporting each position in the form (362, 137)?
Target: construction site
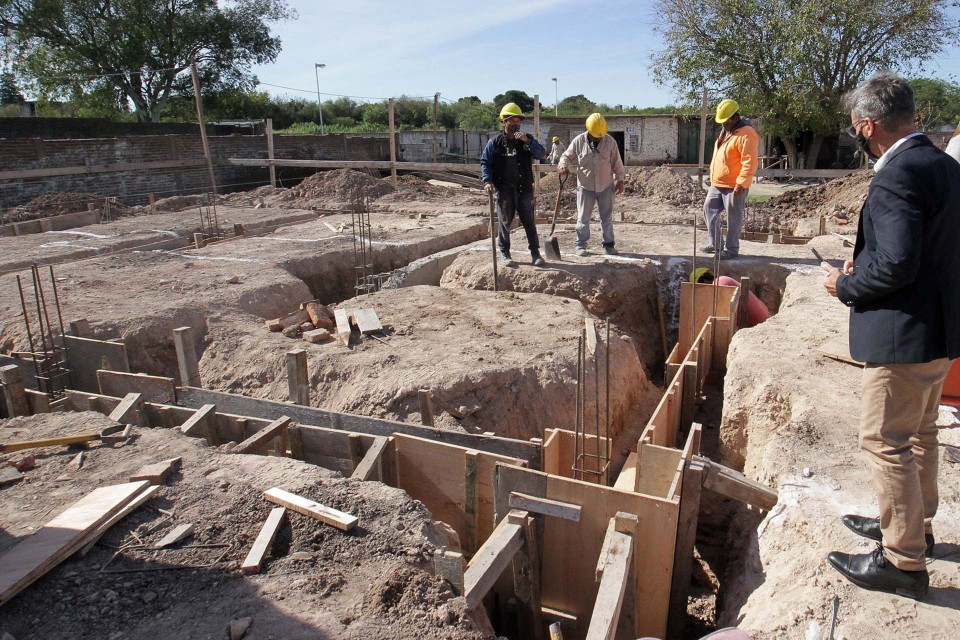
(319, 408)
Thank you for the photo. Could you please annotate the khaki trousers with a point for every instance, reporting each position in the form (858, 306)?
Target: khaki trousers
(898, 437)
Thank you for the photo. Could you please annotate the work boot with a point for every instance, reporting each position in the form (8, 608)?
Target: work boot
(536, 259)
(581, 251)
(728, 255)
(709, 248)
(874, 572)
(610, 250)
(870, 528)
(506, 260)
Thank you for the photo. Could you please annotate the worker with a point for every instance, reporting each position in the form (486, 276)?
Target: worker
(506, 166)
(596, 158)
(735, 158)
(556, 150)
(757, 312)
(903, 290)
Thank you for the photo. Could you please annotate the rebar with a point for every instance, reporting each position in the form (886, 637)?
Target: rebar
(601, 455)
(51, 367)
(578, 424)
(26, 322)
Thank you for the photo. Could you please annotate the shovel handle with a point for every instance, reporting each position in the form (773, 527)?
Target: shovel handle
(556, 209)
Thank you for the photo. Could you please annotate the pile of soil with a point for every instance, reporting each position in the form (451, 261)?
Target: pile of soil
(664, 185)
(181, 203)
(839, 200)
(57, 204)
(318, 582)
(324, 189)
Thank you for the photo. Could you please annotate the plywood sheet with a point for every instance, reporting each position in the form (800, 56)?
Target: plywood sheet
(696, 309)
(86, 356)
(152, 388)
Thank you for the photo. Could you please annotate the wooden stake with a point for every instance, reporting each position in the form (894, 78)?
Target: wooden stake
(491, 559)
(683, 556)
(426, 408)
(203, 130)
(14, 392)
(261, 546)
(270, 157)
(186, 357)
(393, 144)
(298, 377)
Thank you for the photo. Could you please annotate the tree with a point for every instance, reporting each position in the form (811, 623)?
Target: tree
(937, 102)
(140, 47)
(520, 98)
(576, 106)
(9, 93)
(789, 63)
(480, 117)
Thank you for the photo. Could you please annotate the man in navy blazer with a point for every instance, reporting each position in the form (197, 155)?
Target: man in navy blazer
(903, 290)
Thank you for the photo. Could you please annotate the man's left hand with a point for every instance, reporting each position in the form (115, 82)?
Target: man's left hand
(830, 281)
(620, 187)
(738, 191)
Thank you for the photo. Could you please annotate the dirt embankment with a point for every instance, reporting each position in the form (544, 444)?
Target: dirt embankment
(798, 212)
(372, 582)
(58, 204)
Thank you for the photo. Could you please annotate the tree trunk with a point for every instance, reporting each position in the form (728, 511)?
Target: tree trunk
(791, 146)
(814, 151)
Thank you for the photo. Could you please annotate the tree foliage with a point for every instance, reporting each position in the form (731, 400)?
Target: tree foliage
(578, 105)
(140, 48)
(790, 62)
(937, 102)
(520, 98)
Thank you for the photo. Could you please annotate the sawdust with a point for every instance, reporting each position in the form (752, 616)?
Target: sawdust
(372, 582)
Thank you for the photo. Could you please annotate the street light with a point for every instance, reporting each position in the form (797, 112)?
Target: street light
(316, 71)
(556, 98)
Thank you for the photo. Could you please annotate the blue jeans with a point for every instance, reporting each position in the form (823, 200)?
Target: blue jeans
(509, 203)
(585, 201)
(720, 199)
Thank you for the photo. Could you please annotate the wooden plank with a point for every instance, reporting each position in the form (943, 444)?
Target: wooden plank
(345, 422)
(48, 442)
(426, 407)
(62, 536)
(627, 480)
(328, 515)
(371, 467)
(657, 468)
(187, 363)
(21, 174)
(551, 452)
(367, 321)
(490, 561)
(261, 546)
(158, 472)
(159, 389)
(449, 566)
(130, 410)
(733, 484)
(838, 348)
(343, 326)
(86, 356)
(590, 330)
(264, 436)
(298, 377)
(683, 556)
(201, 423)
(471, 463)
(696, 305)
(117, 517)
(175, 535)
(613, 586)
(8, 475)
(14, 392)
(544, 506)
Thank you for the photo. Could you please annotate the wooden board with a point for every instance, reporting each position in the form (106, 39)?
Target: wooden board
(704, 309)
(613, 586)
(544, 507)
(569, 585)
(627, 480)
(658, 466)
(158, 472)
(371, 465)
(367, 321)
(435, 474)
(490, 561)
(61, 537)
(120, 515)
(86, 356)
(328, 515)
(152, 388)
(275, 429)
(261, 546)
(343, 326)
(175, 535)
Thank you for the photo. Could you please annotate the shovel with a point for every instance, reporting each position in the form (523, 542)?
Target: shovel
(550, 245)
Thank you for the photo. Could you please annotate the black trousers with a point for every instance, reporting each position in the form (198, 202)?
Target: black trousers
(511, 202)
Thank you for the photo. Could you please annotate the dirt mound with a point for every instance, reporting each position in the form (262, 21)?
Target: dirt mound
(344, 185)
(181, 203)
(57, 204)
(839, 200)
(665, 185)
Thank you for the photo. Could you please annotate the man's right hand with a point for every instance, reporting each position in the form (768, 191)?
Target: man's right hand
(488, 187)
(848, 268)
(562, 170)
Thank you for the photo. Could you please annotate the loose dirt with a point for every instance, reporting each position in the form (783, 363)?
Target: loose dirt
(319, 582)
(58, 204)
(798, 212)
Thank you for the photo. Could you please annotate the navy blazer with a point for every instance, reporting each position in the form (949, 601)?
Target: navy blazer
(904, 292)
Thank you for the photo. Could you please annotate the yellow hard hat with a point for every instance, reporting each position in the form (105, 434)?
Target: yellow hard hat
(556, 139)
(726, 109)
(596, 125)
(697, 274)
(510, 109)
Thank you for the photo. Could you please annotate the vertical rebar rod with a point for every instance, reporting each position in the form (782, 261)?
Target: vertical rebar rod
(26, 322)
(56, 297)
(41, 331)
(607, 412)
(577, 426)
(596, 402)
(46, 315)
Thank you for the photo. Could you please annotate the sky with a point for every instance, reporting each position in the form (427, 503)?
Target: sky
(384, 48)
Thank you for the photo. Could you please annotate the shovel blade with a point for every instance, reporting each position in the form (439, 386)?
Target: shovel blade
(551, 247)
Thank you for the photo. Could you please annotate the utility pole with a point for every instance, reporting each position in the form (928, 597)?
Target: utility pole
(316, 72)
(556, 98)
(436, 107)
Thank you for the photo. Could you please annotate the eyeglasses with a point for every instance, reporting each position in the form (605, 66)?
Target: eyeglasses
(852, 129)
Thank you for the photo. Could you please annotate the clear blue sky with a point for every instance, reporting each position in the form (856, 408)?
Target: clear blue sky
(383, 48)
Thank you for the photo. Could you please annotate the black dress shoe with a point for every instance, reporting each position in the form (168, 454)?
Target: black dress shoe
(872, 571)
(870, 528)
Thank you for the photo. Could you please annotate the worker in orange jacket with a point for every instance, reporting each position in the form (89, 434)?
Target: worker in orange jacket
(735, 158)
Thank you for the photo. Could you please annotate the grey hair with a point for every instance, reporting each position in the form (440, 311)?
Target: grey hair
(883, 97)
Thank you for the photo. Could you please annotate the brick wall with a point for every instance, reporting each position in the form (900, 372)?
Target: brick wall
(134, 187)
